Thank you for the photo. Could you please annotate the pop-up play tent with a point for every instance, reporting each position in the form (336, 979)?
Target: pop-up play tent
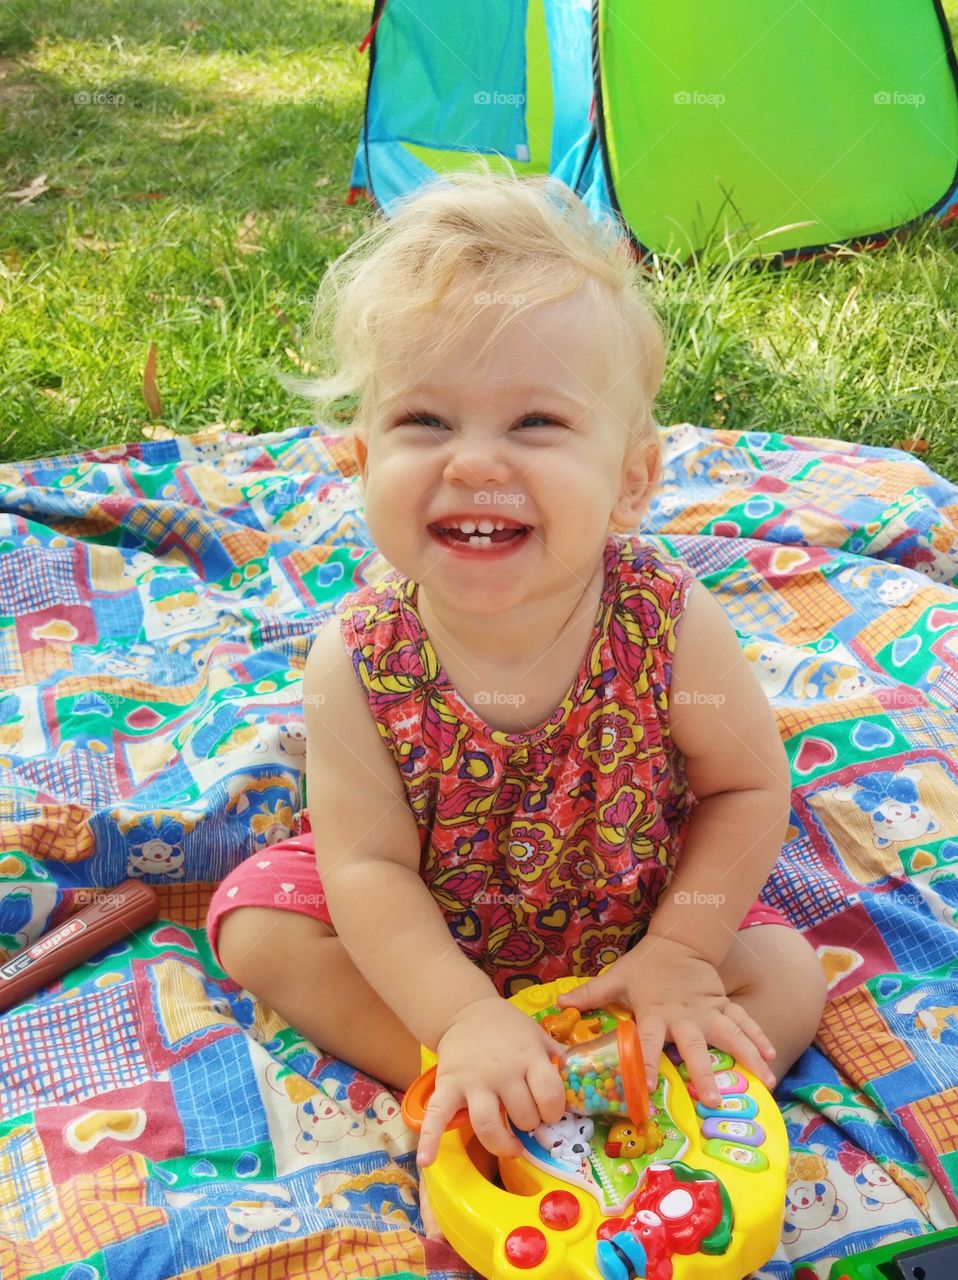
(806, 124)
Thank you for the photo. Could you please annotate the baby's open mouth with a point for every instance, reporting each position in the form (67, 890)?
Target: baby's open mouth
(478, 533)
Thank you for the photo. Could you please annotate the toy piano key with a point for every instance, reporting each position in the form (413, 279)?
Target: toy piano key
(720, 1062)
(727, 1082)
(741, 1106)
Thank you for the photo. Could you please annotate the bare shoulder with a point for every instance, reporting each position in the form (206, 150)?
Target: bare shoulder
(328, 661)
(720, 717)
(357, 797)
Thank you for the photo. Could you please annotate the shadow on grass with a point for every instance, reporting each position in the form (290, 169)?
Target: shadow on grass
(107, 148)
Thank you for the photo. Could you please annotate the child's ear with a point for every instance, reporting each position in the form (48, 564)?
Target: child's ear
(641, 472)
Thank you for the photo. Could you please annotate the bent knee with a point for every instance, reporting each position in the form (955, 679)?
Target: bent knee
(782, 957)
(253, 943)
(807, 983)
(239, 940)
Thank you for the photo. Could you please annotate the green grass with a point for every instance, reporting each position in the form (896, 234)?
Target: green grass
(196, 204)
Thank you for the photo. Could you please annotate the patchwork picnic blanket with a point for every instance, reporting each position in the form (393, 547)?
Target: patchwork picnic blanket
(156, 607)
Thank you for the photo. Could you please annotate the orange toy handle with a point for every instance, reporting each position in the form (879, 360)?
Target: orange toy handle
(417, 1099)
(632, 1068)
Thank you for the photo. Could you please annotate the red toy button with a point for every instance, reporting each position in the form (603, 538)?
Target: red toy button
(559, 1209)
(526, 1247)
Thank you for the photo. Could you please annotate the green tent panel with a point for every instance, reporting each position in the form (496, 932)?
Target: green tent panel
(811, 123)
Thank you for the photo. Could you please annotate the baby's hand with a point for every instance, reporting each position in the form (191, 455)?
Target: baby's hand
(676, 994)
(491, 1056)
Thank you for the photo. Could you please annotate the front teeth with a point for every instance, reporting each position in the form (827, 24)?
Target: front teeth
(478, 531)
(483, 526)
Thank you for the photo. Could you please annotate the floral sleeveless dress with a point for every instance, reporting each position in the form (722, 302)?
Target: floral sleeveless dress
(546, 850)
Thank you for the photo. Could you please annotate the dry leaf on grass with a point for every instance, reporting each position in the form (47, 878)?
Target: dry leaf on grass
(912, 444)
(26, 195)
(151, 393)
(283, 318)
(96, 245)
(247, 235)
(298, 360)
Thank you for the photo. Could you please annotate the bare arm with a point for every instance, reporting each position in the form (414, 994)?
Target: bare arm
(368, 849)
(737, 769)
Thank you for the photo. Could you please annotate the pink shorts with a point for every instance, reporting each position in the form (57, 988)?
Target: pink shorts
(285, 877)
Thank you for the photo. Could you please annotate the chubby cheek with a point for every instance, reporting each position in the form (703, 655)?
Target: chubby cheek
(582, 500)
(394, 506)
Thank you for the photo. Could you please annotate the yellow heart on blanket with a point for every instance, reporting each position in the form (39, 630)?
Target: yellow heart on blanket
(824, 1095)
(837, 962)
(96, 1126)
(786, 558)
(55, 630)
(921, 860)
(107, 980)
(10, 866)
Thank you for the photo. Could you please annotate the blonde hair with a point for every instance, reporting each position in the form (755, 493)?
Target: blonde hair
(464, 242)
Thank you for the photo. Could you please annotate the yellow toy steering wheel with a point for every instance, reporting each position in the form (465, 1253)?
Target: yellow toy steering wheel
(683, 1192)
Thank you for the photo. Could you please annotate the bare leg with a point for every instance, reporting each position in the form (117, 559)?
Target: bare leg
(298, 966)
(774, 974)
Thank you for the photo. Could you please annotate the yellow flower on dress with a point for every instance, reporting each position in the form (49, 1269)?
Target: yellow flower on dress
(530, 849)
(612, 734)
(598, 946)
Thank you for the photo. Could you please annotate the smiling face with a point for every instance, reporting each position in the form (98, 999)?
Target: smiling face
(532, 433)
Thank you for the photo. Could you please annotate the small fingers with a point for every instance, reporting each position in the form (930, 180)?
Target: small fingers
(736, 1034)
(652, 1029)
(445, 1101)
(690, 1042)
(521, 1104)
(751, 1029)
(545, 1085)
(490, 1127)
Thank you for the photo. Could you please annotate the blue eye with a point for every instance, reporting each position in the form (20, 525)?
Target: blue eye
(420, 420)
(538, 417)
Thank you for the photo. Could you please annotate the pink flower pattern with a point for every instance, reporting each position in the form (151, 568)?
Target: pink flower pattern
(547, 850)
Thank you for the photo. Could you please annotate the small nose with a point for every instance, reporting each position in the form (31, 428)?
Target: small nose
(475, 461)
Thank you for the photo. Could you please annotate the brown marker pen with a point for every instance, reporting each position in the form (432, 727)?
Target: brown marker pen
(117, 912)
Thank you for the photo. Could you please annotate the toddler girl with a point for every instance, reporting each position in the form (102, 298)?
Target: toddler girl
(535, 747)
